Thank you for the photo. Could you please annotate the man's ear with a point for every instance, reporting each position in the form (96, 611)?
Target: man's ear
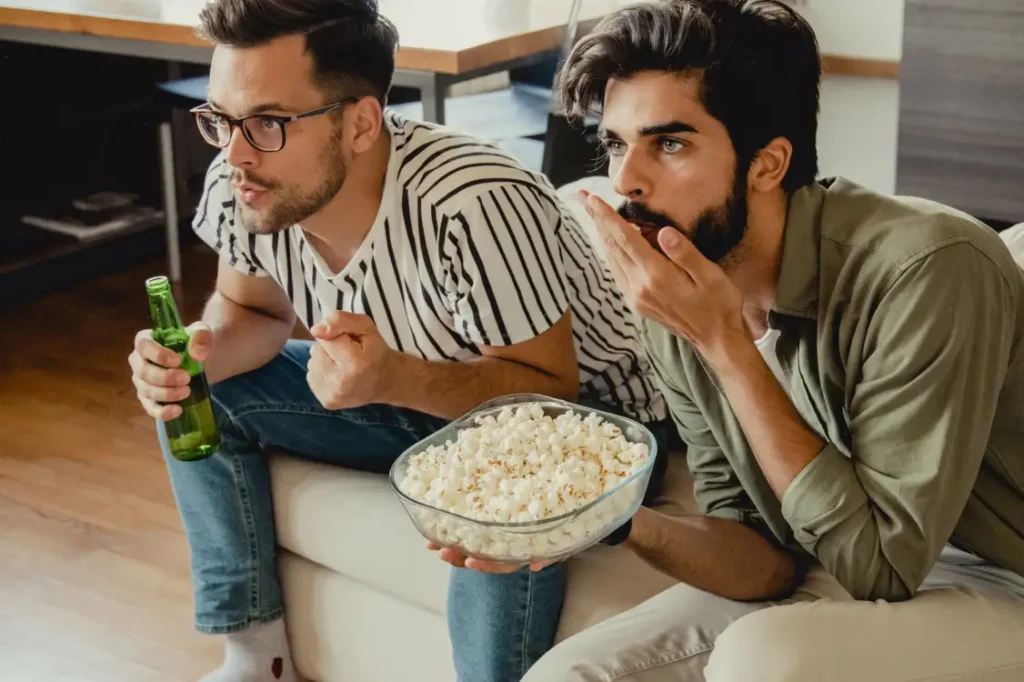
(367, 118)
(770, 165)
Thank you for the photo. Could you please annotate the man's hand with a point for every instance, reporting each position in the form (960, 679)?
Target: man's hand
(159, 383)
(350, 364)
(460, 560)
(686, 293)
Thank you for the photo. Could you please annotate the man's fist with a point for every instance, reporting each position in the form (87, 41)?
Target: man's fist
(155, 370)
(350, 365)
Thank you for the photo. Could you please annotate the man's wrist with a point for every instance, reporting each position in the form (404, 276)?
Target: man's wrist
(731, 352)
(399, 376)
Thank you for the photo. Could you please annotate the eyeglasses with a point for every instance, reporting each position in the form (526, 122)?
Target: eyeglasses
(265, 132)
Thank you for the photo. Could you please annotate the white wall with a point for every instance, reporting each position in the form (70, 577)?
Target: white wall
(872, 29)
(857, 130)
(858, 125)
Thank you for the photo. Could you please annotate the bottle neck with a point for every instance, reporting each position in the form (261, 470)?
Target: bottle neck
(163, 312)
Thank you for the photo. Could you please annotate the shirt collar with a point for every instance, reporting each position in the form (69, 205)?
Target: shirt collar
(796, 292)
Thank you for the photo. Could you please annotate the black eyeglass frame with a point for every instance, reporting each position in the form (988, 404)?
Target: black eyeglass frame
(281, 121)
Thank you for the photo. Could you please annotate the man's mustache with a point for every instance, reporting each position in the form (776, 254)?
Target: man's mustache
(240, 178)
(639, 214)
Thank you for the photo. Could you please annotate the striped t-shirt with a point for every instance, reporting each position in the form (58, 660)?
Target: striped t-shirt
(468, 249)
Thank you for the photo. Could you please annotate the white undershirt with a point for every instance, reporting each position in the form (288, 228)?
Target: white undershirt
(766, 344)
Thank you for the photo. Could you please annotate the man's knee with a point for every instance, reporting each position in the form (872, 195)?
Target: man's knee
(570, 661)
(771, 645)
(283, 379)
(246, 387)
(604, 656)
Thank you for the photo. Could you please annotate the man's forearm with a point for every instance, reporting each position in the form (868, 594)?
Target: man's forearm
(451, 389)
(782, 443)
(243, 339)
(715, 555)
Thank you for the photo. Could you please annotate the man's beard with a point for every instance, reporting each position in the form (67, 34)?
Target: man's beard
(292, 207)
(718, 230)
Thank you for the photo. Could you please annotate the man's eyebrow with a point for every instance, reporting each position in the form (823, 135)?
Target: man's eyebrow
(656, 129)
(262, 108)
(668, 128)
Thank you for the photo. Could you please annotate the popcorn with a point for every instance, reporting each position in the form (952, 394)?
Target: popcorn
(523, 466)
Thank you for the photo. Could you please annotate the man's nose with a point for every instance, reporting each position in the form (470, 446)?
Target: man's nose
(239, 153)
(630, 178)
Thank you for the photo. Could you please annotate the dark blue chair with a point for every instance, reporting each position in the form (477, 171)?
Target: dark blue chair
(520, 117)
(517, 112)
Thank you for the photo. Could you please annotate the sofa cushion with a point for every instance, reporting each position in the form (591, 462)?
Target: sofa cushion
(1014, 238)
(343, 631)
(352, 523)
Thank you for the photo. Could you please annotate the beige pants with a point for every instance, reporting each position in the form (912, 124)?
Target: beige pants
(965, 625)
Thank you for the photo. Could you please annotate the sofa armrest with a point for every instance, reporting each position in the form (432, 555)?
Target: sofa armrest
(1014, 238)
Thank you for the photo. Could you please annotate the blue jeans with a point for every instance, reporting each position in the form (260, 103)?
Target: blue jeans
(499, 624)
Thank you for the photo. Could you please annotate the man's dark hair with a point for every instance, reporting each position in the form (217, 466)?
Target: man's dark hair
(758, 62)
(352, 45)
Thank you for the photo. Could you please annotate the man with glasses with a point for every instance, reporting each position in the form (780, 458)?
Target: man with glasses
(432, 270)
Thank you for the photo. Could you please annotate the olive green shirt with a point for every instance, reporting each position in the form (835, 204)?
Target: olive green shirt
(902, 345)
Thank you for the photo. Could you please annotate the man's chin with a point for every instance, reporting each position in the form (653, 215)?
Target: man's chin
(256, 222)
(721, 253)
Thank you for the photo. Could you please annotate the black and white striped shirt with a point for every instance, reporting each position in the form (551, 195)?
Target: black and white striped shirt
(469, 249)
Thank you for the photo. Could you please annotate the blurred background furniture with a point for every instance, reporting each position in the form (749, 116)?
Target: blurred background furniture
(436, 52)
(439, 46)
(177, 97)
(517, 117)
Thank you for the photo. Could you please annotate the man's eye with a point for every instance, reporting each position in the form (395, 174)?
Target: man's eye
(614, 147)
(670, 145)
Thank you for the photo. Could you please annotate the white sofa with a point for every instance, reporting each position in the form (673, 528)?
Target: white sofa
(1014, 238)
(366, 600)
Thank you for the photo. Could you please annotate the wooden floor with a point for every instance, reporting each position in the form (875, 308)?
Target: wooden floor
(94, 582)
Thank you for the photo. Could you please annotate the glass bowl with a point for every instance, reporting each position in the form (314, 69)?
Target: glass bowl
(551, 539)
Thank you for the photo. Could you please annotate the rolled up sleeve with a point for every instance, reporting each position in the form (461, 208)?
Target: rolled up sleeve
(932, 365)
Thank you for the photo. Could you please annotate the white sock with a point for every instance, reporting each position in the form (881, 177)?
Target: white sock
(256, 654)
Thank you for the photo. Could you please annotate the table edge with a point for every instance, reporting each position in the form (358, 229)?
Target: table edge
(449, 62)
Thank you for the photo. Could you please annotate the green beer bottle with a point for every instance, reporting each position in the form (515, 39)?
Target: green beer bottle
(193, 434)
